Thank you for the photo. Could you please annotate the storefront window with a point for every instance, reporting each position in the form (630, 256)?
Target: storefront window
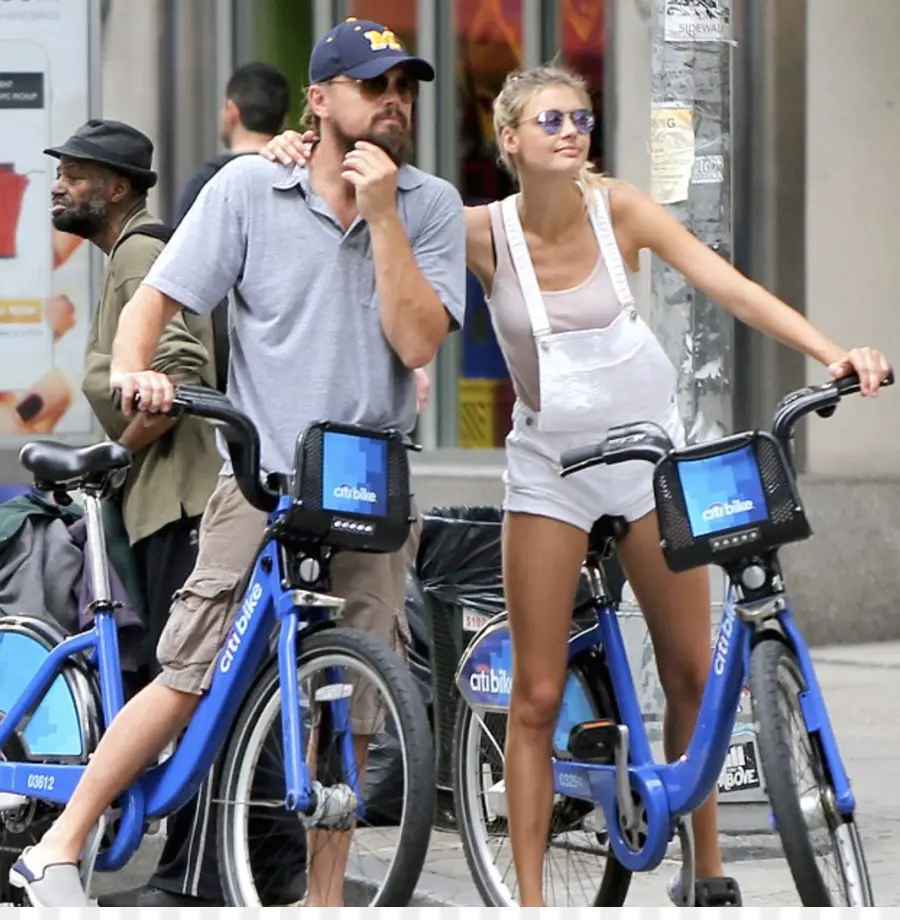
(584, 45)
(397, 15)
(282, 36)
(489, 44)
(488, 47)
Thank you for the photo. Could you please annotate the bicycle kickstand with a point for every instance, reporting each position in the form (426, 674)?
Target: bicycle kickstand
(86, 864)
(688, 862)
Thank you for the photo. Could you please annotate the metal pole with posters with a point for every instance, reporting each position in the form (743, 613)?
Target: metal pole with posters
(691, 174)
(49, 85)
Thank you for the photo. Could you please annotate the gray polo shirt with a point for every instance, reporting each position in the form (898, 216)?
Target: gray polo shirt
(305, 330)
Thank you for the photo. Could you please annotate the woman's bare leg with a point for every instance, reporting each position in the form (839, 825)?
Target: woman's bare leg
(676, 607)
(542, 561)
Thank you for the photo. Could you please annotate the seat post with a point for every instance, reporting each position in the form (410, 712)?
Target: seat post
(96, 546)
(592, 569)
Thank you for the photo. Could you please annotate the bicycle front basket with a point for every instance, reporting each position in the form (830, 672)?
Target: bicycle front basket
(351, 488)
(725, 501)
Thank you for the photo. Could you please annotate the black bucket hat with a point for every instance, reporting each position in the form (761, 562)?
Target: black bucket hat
(123, 148)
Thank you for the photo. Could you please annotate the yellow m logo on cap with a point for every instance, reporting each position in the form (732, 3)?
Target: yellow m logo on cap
(382, 40)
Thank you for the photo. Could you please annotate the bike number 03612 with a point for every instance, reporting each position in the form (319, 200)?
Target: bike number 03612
(41, 781)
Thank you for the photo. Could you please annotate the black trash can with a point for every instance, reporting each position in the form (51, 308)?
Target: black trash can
(458, 569)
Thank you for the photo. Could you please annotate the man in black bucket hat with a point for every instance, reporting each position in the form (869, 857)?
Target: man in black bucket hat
(103, 179)
(100, 194)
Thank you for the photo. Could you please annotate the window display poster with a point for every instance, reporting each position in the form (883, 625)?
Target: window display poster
(45, 275)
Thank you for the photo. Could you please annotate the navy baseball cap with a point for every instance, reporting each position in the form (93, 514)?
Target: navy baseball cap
(362, 49)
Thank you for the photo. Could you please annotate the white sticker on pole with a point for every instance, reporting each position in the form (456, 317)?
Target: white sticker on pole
(698, 21)
(708, 170)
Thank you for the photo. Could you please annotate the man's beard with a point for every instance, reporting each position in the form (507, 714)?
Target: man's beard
(395, 140)
(86, 220)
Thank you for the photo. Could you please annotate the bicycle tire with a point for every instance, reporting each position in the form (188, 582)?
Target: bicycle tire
(616, 879)
(419, 805)
(774, 670)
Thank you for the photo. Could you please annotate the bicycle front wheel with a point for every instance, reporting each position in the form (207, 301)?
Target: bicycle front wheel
(822, 847)
(263, 846)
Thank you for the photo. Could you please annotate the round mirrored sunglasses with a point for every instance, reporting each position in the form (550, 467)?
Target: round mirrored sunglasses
(552, 120)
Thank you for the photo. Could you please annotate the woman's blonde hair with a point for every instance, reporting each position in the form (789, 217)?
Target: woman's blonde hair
(519, 88)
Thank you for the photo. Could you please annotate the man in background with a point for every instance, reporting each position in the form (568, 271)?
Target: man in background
(256, 103)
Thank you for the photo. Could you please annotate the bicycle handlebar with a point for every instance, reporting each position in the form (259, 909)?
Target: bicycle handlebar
(240, 434)
(647, 441)
(821, 399)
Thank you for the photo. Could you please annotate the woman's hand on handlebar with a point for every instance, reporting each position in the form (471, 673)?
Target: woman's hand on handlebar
(869, 363)
(289, 148)
(155, 392)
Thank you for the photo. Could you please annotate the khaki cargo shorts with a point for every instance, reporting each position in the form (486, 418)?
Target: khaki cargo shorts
(373, 586)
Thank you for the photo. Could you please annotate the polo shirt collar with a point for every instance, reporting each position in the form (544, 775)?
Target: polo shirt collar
(297, 176)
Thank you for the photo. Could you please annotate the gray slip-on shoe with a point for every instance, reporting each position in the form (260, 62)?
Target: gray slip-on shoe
(57, 885)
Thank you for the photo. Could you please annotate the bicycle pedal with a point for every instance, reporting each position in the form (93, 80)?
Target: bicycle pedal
(717, 892)
(595, 742)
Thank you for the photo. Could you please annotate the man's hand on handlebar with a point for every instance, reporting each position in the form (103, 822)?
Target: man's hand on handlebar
(869, 363)
(155, 392)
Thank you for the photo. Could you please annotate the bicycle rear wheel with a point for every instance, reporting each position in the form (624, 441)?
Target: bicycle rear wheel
(262, 845)
(799, 789)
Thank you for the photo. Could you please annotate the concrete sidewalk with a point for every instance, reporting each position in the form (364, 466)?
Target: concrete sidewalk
(862, 689)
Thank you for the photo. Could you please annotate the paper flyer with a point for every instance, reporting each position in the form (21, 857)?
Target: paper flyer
(671, 152)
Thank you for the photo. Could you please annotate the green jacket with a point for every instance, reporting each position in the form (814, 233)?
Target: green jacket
(176, 474)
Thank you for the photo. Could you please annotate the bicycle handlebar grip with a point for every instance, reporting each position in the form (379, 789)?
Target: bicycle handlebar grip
(116, 399)
(850, 383)
(579, 456)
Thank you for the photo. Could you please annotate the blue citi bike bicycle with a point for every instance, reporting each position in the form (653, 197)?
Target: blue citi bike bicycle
(286, 661)
(731, 503)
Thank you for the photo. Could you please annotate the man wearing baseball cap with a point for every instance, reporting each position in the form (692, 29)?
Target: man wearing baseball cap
(347, 274)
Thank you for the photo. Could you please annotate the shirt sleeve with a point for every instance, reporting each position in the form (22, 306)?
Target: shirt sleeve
(205, 256)
(439, 248)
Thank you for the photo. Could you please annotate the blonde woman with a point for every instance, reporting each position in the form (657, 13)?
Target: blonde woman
(556, 261)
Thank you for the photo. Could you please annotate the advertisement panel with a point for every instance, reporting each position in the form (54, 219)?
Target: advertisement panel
(46, 289)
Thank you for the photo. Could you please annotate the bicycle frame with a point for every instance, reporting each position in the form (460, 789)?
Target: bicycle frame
(669, 791)
(164, 788)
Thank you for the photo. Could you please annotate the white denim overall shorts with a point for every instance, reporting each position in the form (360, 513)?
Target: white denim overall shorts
(590, 381)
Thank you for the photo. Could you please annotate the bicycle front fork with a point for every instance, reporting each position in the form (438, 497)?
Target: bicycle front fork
(333, 797)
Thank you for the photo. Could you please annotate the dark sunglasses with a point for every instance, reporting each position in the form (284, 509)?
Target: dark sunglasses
(407, 88)
(552, 120)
